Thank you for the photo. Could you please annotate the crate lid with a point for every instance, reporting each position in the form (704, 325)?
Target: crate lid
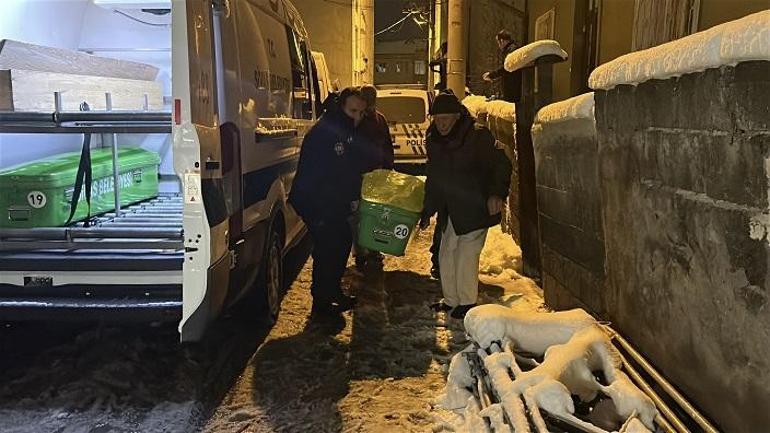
(62, 169)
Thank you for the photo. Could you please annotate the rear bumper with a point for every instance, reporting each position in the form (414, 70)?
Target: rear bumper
(44, 288)
(62, 308)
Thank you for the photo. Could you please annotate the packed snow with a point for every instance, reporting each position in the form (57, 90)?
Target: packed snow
(526, 55)
(730, 43)
(502, 109)
(476, 104)
(574, 349)
(577, 107)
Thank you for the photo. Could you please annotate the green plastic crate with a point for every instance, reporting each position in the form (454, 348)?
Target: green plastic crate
(385, 228)
(38, 194)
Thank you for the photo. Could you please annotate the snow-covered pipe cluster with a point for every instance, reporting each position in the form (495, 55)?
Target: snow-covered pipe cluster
(496, 383)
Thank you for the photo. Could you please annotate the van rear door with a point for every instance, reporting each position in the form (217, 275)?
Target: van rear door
(194, 122)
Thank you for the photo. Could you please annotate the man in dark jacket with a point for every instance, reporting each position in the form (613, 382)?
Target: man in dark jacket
(467, 179)
(324, 191)
(511, 80)
(377, 152)
(376, 132)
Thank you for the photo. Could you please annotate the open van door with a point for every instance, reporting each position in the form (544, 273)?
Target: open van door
(206, 259)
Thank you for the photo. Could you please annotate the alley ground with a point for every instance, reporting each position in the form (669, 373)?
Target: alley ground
(376, 369)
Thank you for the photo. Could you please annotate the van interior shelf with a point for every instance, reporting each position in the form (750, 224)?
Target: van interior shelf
(154, 224)
(78, 122)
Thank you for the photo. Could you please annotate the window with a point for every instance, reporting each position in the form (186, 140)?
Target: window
(381, 67)
(398, 67)
(419, 67)
(301, 95)
(402, 109)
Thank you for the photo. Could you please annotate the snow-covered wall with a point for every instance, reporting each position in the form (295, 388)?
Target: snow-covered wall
(684, 172)
(569, 204)
(726, 44)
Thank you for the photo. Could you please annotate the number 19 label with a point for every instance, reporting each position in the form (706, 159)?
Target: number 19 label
(36, 199)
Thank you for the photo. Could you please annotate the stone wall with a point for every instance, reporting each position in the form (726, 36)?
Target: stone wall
(569, 208)
(684, 175)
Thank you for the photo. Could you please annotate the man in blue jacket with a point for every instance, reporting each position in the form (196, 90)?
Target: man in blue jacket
(325, 188)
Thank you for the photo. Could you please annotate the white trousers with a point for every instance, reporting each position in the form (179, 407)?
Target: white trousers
(459, 265)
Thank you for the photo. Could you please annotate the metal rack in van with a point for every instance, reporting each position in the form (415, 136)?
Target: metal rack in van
(154, 224)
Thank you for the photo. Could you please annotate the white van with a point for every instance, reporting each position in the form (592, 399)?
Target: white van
(244, 100)
(239, 91)
(406, 108)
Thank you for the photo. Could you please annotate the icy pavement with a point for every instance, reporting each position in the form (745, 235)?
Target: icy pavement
(376, 369)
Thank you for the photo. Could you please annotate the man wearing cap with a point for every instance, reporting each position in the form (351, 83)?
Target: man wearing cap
(467, 179)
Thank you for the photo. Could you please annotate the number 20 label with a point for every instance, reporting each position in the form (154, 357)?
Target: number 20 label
(401, 231)
(36, 199)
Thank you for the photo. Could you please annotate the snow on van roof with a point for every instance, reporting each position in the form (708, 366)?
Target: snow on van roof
(578, 107)
(527, 54)
(730, 43)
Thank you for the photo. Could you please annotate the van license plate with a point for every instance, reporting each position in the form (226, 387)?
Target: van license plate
(37, 281)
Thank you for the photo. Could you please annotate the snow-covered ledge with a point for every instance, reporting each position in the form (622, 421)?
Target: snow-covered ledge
(730, 43)
(578, 107)
(502, 109)
(476, 104)
(526, 55)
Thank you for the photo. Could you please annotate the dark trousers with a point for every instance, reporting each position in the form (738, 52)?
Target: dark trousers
(331, 247)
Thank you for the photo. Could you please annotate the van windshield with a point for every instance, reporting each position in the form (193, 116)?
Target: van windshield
(402, 109)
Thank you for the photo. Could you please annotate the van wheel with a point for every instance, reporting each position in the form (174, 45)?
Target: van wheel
(271, 280)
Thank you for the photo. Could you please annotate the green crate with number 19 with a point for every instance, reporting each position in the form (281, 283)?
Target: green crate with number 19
(39, 193)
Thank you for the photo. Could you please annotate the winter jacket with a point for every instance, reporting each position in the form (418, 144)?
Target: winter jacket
(463, 170)
(511, 80)
(328, 176)
(375, 131)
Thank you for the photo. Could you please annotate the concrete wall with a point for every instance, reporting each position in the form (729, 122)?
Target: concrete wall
(330, 29)
(684, 174)
(569, 208)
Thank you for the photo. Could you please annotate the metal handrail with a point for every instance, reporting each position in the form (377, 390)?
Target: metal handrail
(663, 383)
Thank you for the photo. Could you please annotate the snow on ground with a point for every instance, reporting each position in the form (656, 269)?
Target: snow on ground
(577, 107)
(730, 43)
(376, 369)
(380, 368)
(526, 55)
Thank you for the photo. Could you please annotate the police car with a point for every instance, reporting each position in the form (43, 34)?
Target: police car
(406, 108)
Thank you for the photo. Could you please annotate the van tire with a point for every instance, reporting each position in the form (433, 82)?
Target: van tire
(271, 273)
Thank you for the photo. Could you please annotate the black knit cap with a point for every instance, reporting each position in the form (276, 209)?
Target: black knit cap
(446, 103)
